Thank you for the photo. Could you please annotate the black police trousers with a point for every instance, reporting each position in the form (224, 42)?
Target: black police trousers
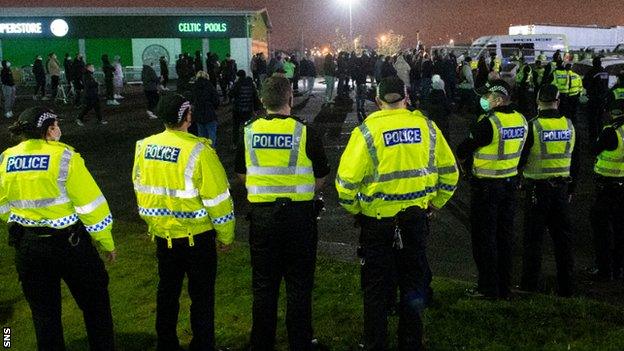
(283, 241)
(493, 206)
(548, 208)
(382, 262)
(608, 227)
(199, 264)
(45, 256)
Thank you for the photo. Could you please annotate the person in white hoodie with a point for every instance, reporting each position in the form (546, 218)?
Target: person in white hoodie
(118, 78)
(466, 85)
(403, 70)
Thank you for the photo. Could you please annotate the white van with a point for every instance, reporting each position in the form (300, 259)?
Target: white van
(531, 46)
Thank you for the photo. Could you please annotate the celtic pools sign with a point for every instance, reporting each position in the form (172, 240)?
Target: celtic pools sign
(206, 27)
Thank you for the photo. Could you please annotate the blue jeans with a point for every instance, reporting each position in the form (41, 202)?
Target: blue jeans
(208, 130)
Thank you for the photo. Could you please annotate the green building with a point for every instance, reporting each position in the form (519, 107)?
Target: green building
(137, 35)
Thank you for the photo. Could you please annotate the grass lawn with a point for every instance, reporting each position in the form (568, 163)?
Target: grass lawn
(453, 323)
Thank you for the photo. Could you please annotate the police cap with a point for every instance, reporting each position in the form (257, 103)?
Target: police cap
(172, 108)
(391, 90)
(548, 93)
(496, 86)
(35, 117)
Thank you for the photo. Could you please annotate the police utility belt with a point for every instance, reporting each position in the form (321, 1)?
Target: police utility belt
(317, 205)
(396, 220)
(555, 182)
(72, 234)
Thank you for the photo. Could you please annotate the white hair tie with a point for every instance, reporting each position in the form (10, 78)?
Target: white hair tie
(44, 117)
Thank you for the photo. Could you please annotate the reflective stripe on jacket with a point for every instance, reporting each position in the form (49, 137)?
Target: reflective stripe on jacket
(181, 187)
(551, 154)
(611, 163)
(276, 160)
(500, 159)
(396, 159)
(46, 184)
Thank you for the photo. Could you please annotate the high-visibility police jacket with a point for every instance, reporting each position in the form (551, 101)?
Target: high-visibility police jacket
(181, 187)
(618, 93)
(500, 159)
(520, 76)
(538, 75)
(561, 79)
(394, 160)
(276, 161)
(576, 84)
(46, 184)
(551, 153)
(611, 163)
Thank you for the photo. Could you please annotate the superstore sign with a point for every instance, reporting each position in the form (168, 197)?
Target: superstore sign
(21, 28)
(84, 27)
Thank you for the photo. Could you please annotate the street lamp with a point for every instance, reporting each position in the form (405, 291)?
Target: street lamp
(350, 3)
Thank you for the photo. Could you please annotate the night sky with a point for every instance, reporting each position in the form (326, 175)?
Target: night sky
(437, 20)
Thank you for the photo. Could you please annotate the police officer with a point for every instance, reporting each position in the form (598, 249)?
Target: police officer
(596, 82)
(183, 196)
(561, 79)
(55, 209)
(282, 163)
(616, 98)
(524, 85)
(574, 93)
(493, 152)
(549, 168)
(606, 215)
(396, 169)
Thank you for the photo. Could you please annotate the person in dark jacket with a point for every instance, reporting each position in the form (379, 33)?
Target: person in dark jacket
(343, 75)
(40, 79)
(67, 66)
(109, 72)
(387, 68)
(8, 88)
(198, 64)
(228, 75)
(78, 71)
(438, 105)
(205, 99)
(596, 83)
(245, 101)
(150, 88)
(213, 69)
(91, 99)
(482, 73)
(426, 73)
(164, 72)
(329, 69)
(358, 74)
(260, 69)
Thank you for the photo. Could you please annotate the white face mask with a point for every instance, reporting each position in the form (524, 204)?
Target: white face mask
(8, 64)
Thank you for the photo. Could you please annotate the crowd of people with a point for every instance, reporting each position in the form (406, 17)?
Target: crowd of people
(396, 171)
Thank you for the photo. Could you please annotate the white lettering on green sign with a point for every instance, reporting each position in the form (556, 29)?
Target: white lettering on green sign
(20, 28)
(208, 27)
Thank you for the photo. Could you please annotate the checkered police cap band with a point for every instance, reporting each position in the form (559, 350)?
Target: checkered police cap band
(44, 117)
(185, 106)
(499, 89)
